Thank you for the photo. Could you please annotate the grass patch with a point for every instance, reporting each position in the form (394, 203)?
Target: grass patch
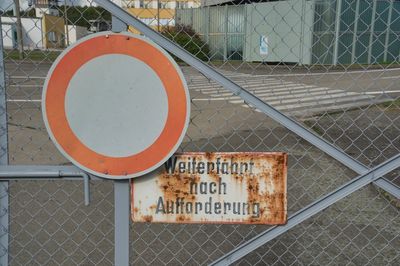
(35, 55)
(311, 124)
(391, 104)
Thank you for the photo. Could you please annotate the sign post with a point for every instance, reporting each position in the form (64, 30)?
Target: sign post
(4, 204)
(121, 199)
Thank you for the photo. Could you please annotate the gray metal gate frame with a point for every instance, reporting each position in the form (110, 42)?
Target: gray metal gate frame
(121, 19)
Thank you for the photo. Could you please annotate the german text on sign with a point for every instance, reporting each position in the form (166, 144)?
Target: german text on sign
(214, 188)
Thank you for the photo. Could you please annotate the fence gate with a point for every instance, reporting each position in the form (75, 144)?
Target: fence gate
(313, 78)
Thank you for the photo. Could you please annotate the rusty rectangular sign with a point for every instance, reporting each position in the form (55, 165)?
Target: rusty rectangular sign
(197, 187)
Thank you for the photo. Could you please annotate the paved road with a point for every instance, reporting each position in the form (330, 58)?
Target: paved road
(297, 94)
(219, 121)
(289, 95)
(215, 111)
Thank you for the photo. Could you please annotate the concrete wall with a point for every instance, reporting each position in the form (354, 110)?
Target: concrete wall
(75, 33)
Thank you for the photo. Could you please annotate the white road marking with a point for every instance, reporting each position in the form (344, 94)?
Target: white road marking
(27, 86)
(24, 100)
(292, 97)
(282, 93)
(331, 73)
(381, 92)
(391, 77)
(26, 77)
(257, 88)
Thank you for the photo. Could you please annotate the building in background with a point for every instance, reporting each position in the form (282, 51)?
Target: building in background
(157, 13)
(43, 7)
(31, 31)
(47, 30)
(328, 32)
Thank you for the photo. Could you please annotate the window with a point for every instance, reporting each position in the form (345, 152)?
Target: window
(128, 3)
(162, 4)
(180, 4)
(52, 36)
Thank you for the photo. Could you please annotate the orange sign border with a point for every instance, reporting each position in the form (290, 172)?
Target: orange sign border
(56, 86)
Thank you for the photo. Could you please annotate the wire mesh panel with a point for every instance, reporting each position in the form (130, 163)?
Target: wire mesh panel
(49, 225)
(332, 66)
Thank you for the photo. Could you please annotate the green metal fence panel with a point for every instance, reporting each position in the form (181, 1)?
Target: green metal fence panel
(324, 32)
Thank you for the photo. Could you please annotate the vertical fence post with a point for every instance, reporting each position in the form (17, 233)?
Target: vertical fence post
(372, 33)
(121, 221)
(206, 25)
(302, 25)
(191, 18)
(355, 32)
(388, 31)
(225, 33)
(337, 31)
(4, 218)
(121, 199)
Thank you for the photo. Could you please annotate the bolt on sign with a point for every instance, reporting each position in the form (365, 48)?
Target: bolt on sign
(239, 188)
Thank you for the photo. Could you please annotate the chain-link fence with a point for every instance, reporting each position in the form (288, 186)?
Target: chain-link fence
(331, 67)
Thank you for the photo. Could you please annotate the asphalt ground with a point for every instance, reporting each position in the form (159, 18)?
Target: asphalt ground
(51, 226)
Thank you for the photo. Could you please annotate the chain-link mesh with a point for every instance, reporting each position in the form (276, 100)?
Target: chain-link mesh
(331, 65)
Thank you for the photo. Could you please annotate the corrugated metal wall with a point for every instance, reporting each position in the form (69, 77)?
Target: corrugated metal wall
(324, 32)
(367, 32)
(233, 32)
(393, 53)
(222, 27)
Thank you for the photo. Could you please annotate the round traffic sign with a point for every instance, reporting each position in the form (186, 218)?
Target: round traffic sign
(116, 105)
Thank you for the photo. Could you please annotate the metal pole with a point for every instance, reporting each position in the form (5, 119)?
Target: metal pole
(302, 23)
(388, 31)
(66, 22)
(19, 30)
(206, 25)
(121, 199)
(355, 32)
(121, 220)
(226, 33)
(4, 218)
(371, 36)
(158, 15)
(337, 31)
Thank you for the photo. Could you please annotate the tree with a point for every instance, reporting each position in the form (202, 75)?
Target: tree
(80, 16)
(188, 39)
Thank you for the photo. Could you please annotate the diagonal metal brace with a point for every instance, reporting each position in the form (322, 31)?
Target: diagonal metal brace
(310, 210)
(228, 84)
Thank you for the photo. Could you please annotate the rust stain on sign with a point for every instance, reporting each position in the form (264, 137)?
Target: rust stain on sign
(242, 188)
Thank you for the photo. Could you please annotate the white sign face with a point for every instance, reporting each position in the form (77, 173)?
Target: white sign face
(263, 45)
(116, 105)
(243, 188)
